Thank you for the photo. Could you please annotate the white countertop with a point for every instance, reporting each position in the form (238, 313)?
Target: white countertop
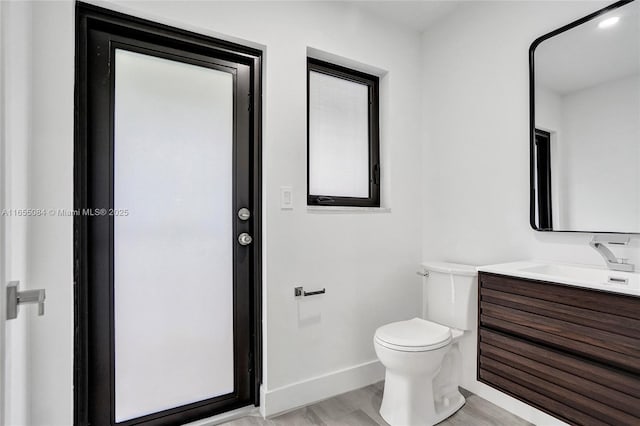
(585, 276)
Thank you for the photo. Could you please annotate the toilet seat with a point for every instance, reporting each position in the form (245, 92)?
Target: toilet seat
(415, 335)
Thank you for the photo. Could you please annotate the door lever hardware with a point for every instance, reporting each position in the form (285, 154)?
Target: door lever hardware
(16, 298)
(299, 291)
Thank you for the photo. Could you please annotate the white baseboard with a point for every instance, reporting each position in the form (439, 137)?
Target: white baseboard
(287, 398)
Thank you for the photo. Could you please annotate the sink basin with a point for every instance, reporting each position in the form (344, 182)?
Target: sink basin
(586, 274)
(577, 275)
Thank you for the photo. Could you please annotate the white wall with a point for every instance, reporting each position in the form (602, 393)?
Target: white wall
(549, 118)
(50, 239)
(366, 261)
(595, 155)
(3, 262)
(476, 149)
(548, 109)
(14, 165)
(601, 133)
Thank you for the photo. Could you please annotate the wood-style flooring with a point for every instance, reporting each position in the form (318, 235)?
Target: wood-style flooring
(360, 408)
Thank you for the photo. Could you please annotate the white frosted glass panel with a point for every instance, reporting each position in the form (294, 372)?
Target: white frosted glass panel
(173, 253)
(338, 137)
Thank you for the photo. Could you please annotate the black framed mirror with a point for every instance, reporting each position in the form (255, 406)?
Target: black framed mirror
(584, 82)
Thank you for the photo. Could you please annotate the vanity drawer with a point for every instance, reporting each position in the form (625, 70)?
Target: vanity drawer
(599, 325)
(577, 390)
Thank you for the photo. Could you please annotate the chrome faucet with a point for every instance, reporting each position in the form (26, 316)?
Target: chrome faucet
(598, 242)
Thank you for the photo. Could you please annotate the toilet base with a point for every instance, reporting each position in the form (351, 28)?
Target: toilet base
(410, 401)
(456, 402)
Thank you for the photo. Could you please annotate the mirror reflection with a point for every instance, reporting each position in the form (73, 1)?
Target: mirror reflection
(586, 126)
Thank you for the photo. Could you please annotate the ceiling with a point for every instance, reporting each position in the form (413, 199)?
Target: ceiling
(417, 15)
(586, 56)
(576, 59)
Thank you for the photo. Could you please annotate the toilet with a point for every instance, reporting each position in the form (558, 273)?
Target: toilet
(421, 355)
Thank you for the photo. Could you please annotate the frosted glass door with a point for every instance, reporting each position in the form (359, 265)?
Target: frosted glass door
(172, 234)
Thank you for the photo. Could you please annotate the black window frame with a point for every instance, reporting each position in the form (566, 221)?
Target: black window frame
(373, 84)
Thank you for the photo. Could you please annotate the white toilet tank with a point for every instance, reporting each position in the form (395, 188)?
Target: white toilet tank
(450, 294)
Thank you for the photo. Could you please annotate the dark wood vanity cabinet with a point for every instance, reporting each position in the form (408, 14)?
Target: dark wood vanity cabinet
(569, 351)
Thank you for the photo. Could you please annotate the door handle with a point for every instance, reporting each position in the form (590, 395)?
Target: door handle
(244, 239)
(16, 298)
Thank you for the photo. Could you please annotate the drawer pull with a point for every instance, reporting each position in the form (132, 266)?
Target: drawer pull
(615, 280)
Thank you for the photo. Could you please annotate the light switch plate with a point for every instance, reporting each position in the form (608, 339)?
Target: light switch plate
(286, 198)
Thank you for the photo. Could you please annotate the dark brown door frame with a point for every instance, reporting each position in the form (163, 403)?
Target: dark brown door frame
(93, 182)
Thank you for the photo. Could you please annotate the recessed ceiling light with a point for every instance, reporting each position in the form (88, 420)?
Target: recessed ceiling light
(609, 22)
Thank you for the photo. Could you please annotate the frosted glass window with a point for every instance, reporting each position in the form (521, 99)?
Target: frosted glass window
(340, 139)
(173, 253)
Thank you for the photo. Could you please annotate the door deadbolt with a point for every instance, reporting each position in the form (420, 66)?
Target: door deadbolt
(244, 239)
(244, 213)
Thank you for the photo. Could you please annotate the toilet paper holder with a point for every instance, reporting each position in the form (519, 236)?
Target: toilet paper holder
(299, 291)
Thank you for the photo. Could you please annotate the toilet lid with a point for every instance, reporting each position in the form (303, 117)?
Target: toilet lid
(414, 333)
